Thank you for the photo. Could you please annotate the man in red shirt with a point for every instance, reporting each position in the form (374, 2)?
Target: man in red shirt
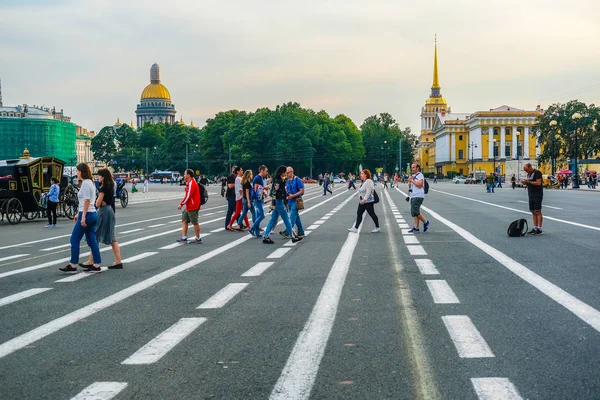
(191, 201)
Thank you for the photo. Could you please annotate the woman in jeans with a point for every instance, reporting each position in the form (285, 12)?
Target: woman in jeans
(367, 201)
(246, 199)
(85, 221)
(105, 232)
(280, 195)
(52, 203)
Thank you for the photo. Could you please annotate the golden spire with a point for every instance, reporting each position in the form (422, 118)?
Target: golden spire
(118, 123)
(181, 121)
(131, 125)
(192, 124)
(436, 82)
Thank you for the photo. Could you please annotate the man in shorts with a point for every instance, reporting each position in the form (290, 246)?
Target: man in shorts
(416, 192)
(535, 192)
(191, 202)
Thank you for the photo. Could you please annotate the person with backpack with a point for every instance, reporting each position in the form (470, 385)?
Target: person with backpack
(248, 194)
(191, 202)
(367, 196)
(295, 189)
(535, 192)
(417, 187)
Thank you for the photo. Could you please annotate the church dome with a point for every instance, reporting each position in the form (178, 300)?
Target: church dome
(156, 91)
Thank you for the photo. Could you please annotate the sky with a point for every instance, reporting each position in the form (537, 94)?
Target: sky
(352, 57)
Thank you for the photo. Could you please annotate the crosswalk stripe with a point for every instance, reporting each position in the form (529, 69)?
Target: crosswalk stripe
(80, 275)
(410, 240)
(495, 389)
(217, 230)
(139, 257)
(416, 250)
(223, 296)
(313, 226)
(258, 269)
(468, 341)
(403, 226)
(13, 257)
(163, 343)
(279, 253)
(171, 246)
(131, 231)
(56, 247)
(34, 242)
(156, 226)
(22, 295)
(426, 266)
(441, 292)
(101, 391)
(319, 222)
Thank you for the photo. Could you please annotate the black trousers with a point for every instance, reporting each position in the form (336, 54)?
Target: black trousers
(370, 208)
(230, 209)
(51, 211)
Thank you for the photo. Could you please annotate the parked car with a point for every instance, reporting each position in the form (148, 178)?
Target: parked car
(339, 180)
(459, 179)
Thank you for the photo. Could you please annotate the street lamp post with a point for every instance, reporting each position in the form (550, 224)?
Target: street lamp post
(146, 161)
(472, 146)
(576, 117)
(517, 153)
(553, 124)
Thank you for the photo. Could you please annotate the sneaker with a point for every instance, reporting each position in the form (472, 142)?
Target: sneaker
(353, 230)
(425, 226)
(284, 234)
(196, 241)
(296, 239)
(48, 226)
(300, 234)
(268, 240)
(251, 234)
(68, 268)
(413, 230)
(533, 231)
(182, 239)
(376, 230)
(93, 268)
(539, 232)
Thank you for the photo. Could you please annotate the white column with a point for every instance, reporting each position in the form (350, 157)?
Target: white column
(526, 142)
(491, 143)
(451, 147)
(502, 144)
(454, 150)
(515, 139)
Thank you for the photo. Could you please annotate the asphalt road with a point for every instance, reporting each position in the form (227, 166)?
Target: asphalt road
(459, 312)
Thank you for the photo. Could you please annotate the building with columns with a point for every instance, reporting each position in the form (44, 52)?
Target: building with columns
(481, 141)
(155, 103)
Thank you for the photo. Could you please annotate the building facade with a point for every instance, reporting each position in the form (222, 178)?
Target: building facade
(155, 103)
(83, 144)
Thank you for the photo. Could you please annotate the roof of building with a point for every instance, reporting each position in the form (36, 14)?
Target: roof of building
(506, 108)
(447, 117)
(31, 112)
(156, 91)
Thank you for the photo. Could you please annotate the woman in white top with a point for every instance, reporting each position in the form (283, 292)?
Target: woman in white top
(238, 200)
(85, 221)
(367, 201)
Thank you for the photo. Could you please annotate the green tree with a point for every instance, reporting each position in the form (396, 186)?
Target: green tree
(103, 145)
(381, 135)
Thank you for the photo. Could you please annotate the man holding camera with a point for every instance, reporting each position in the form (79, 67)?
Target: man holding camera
(416, 195)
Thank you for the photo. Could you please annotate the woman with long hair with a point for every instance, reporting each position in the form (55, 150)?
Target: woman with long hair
(280, 195)
(367, 201)
(86, 221)
(105, 232)
(247, 199)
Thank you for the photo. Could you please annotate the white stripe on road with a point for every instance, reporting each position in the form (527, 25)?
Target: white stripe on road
(258, 269)
(34, 242)
(22, 295)
(156, 226)
(171, 246)
(163, 343)
(318, 222)
(300, 371)
(495, 389)
(279, 253)
(416, 250)
(223, 296)
(217, 230)
(426, 266)
(468, 341)
(101, 391)
(403, 226)
(410, 239)
(80, 275)
(57, 324)
(441, 292)
(139, 257)
(13, 257)
(131, 231)
(544, 206)
(312, 227)
(56, 247)
(406, 232)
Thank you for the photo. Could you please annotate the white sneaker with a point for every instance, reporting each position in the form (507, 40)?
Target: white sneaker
(376, 230)
(353, 229)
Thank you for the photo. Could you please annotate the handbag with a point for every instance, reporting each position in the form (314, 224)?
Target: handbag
(375, 196)
(299, 203)
(44, 202)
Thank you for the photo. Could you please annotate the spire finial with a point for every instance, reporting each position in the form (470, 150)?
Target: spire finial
(436, 82)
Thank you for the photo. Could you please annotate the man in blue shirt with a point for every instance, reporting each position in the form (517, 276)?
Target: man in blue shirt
(258, 184)
(52, 203)
(295, 189)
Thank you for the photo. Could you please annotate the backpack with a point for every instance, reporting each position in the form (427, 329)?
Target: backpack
(203, 194)
(517, 228)
(425, 186)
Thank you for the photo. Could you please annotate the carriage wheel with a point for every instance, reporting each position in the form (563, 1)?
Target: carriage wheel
(124, 198)
(70, 202)
(14, 211)
(30, 215)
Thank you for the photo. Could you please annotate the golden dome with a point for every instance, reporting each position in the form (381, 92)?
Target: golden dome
(118, 123)
(436, 100)
(156, 91)
(192, 125)
(181, 121)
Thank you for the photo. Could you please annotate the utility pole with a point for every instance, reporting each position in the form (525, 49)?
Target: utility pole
(146, 161)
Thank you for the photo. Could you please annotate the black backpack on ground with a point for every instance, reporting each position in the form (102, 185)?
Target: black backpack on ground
(517, 228)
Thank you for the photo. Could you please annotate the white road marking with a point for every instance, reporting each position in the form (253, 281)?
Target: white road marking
(223, 296)
(217, 230)
(495, 389)
(324, 218)
(22, 295)
(300, 371)
(416, 250)
(156, 226)
(131, 231)
(258, 269)
(410, 239)
(312, 227)
(101, 391)
(171, 246)
(319, 222)
(406, 232)
(55, 325)
(544, 205)
(403, 226)
(426, 266)
(155, 349)
(468, 341)
(34, 242)
(56, 247)
(80, 275)
(139, 257)
(441, 292)
(278, 253)
(13, 257)
(175, 222)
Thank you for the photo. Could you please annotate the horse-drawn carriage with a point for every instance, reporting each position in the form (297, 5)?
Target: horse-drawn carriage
(22, 182)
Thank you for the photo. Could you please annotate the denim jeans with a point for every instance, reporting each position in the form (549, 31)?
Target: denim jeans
(295, 217)
(279, 211)
(91, 221)
(258, 217)
(247, 207)
(230, 210)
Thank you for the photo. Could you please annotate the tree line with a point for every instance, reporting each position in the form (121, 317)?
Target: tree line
(289, 134)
